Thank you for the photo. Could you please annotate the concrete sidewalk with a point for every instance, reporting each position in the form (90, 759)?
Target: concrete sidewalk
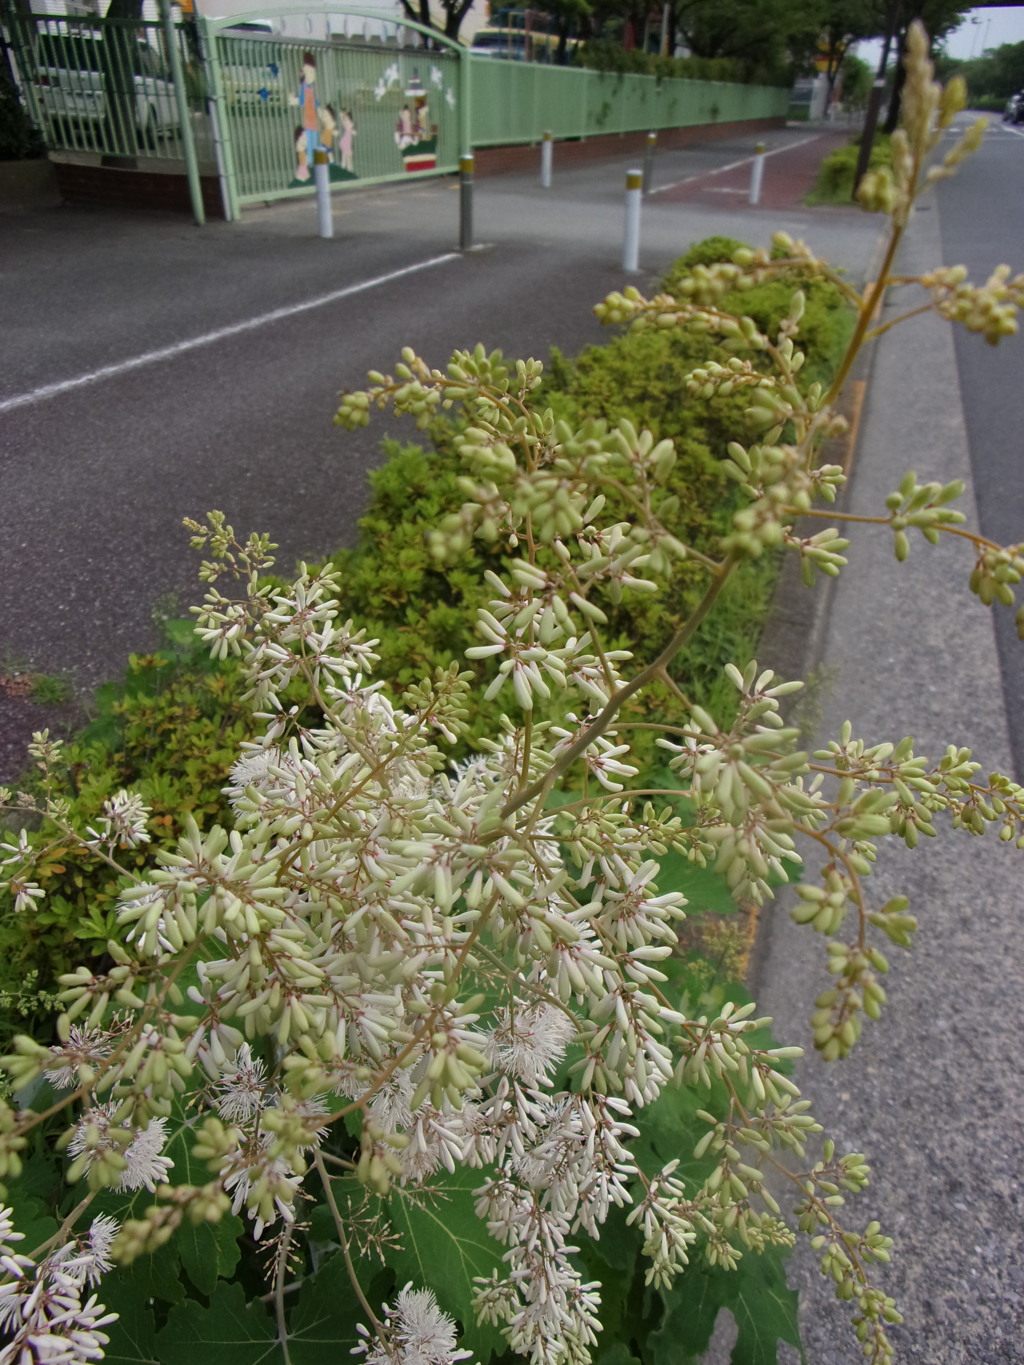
(932, 1092)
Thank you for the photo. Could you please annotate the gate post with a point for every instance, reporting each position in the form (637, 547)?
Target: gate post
(188, 144)
(219, 123)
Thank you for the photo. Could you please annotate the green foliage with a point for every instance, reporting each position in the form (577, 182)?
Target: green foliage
(607, 54)
(991, 78)
(19, 140)
(50, 691)
(170, 731)
(444, 1244)
(422, 611)
(856, 77)
(836, 173)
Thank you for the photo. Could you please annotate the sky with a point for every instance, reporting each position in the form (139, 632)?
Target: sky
(993, 28)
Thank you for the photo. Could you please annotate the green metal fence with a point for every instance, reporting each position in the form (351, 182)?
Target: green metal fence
(380, 112)
(519, 102)
(107, 86)
(253, 106)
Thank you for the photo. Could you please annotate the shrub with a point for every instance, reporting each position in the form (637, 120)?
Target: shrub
(170, 730)
(422, 611)
(835, 175)
(19, 140)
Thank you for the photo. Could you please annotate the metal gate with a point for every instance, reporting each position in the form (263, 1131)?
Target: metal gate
(380, 110)
(108, 87)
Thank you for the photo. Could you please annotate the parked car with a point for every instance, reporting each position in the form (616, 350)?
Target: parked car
(73, 70)
(517, 44)
(1014, 111)
(251, 65)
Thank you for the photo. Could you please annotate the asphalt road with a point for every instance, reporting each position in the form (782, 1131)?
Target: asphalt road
(203, 401)
(992, 378)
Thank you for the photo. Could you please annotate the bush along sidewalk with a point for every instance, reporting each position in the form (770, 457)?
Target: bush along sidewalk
(834, 184)
(385, 1063)
(171, 729)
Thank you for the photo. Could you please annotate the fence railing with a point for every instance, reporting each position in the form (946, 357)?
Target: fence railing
(380, 113)
(252, 106)
(519, 102)
(107, 86)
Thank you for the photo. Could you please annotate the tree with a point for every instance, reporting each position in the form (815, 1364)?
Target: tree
(856, 81)
(452, 14)
(847, 22)
(765, 36)
(410, 1024)
(939, 18)
(996, 74)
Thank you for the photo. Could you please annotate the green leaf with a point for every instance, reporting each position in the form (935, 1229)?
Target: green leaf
(615, 1353)
(228, 1331)
(444, 1245)
(669, 1131)
(210, 1251)
(765, 1308)
(691, 1305)
(322, 1324)
(133, 1335)
(152, 1277)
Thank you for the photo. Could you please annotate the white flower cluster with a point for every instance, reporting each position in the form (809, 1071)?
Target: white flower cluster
(45, 1318)
(361, 882)
(414, 1332)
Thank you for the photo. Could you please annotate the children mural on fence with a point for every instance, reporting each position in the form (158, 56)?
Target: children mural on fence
(301, 159)
(308, 102)
(328, 131)
(345, 149)
(319, 130)
(415, 136)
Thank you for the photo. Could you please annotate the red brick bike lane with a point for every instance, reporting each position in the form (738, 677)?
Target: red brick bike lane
(789, 171)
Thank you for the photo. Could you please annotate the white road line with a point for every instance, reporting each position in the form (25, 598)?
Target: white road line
(1017, 132)
(39, 395)
(732, 166)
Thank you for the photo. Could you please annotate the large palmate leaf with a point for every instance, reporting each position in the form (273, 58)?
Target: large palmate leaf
(764, 1307)
(133, 1335)
(444, 1246)
(322, 1325)
(756, 1295)
(227, 1330)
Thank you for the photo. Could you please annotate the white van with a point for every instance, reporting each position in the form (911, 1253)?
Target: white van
(72, 69)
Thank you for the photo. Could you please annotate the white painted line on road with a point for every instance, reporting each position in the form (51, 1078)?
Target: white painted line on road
(1017, 132)
(39, 395)
(732, 166)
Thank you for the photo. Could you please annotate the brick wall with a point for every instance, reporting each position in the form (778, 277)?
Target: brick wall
(119, 187)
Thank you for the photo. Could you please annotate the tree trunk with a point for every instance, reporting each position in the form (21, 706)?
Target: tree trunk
(117, 67)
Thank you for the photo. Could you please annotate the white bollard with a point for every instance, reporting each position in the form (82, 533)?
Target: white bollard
(322, 176)
(545, 161)
(634, 194)
(756, 174)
